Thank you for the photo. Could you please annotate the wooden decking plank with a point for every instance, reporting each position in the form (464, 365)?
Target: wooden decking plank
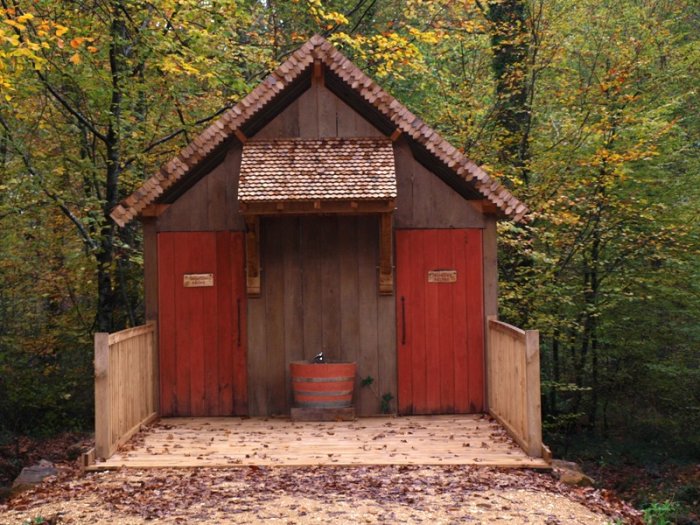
(233, 442)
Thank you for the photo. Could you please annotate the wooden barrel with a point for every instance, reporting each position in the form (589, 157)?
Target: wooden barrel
(323, 385)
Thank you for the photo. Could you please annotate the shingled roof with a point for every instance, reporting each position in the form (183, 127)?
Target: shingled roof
(317, 48)
(308, 169)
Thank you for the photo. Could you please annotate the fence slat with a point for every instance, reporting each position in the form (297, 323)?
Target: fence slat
(513, 362)
(126, 390)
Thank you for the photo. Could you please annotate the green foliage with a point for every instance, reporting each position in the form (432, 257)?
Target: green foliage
(386, 403)
(367, 381)
(660, 513)
(34, 521)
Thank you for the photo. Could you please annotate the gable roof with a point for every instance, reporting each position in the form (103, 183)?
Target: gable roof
(307, 169)
(317, 48)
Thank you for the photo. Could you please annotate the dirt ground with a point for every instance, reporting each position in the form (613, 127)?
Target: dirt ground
(322, 495)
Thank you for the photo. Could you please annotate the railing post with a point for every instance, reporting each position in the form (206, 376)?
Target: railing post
(155, 370)
(103, 420)
(533, 402)
(488, 362)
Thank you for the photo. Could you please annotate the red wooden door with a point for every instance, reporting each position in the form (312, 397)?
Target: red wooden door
(440, 319)
(201, 324)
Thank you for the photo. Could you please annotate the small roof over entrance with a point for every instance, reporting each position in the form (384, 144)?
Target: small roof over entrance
(327, 170)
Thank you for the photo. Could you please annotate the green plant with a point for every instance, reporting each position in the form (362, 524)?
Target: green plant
(386, 402)
(34, 521)
(367, 381)
(660, 513)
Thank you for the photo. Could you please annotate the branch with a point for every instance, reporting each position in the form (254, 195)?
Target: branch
(83, 120)
(87, 239)
(177, 132)
(53, 91)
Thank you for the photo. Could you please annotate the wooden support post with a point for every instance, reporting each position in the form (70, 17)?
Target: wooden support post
(103, 415)
(532, 388)
(252, 252)
(489, 250)
(386, 273)
(488, 362)
(240, 136)
(318, 73)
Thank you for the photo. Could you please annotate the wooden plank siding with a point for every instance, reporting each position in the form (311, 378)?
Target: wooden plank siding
(318, 113)
(424, 200)
(211, 204)
(319, 273)
(319, 293)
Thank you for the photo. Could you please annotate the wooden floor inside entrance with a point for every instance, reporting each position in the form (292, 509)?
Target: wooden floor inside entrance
(231, 442)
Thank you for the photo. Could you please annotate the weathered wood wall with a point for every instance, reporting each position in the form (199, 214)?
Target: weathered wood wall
(424, 200)
(309, 315)
(211, 204)
(319, 293)
(318, 113)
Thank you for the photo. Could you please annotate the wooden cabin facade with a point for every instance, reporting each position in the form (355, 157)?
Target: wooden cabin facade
(320, 215)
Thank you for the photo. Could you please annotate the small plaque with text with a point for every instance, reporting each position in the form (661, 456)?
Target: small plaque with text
(442, 276)
(198, 280)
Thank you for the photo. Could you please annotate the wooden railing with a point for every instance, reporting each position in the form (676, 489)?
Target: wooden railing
(513, 363)
(126, 385)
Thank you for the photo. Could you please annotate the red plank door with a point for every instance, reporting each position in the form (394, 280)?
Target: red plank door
(440, 320)
(202, 323)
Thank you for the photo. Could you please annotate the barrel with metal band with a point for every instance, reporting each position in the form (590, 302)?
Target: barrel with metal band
(326, 385)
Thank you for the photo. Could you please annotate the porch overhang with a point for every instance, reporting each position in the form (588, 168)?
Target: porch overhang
(324, 176)
(328, 175)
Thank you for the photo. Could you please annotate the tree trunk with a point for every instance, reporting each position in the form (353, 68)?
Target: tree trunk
(510, 48)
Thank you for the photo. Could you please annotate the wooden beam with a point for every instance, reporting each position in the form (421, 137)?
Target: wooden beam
(318, 73)
(395, 135)
(347, 207)
(386, 273)
(534, 406)
(240, 136)
(485, 206)
(252, 253)
(87, 459)
(154, 210)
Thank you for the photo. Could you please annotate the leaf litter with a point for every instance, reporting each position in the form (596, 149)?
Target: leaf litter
(299, 495)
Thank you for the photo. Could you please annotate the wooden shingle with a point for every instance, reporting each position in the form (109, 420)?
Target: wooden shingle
(245, 111)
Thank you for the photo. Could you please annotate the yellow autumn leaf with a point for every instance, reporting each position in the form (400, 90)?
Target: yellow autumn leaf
(76, 42)
(16, 25)
(61, 30)
(25, 17)
(75, 58)
(92, 49)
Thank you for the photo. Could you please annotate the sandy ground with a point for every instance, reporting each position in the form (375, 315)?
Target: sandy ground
(322, 495)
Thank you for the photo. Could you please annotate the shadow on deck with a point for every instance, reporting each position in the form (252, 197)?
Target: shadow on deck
(231, 442)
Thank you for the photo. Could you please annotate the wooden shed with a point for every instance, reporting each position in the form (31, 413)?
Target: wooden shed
(320, 215)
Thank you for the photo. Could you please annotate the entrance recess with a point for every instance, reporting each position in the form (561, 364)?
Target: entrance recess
(202, 324)
(440, 321)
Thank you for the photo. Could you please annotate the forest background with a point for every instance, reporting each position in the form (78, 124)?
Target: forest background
(586, 109)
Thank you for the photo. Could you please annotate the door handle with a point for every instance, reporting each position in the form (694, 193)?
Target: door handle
(403, 320)
(238, 321)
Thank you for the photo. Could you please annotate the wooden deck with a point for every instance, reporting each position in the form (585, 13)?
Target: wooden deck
(230, 442)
